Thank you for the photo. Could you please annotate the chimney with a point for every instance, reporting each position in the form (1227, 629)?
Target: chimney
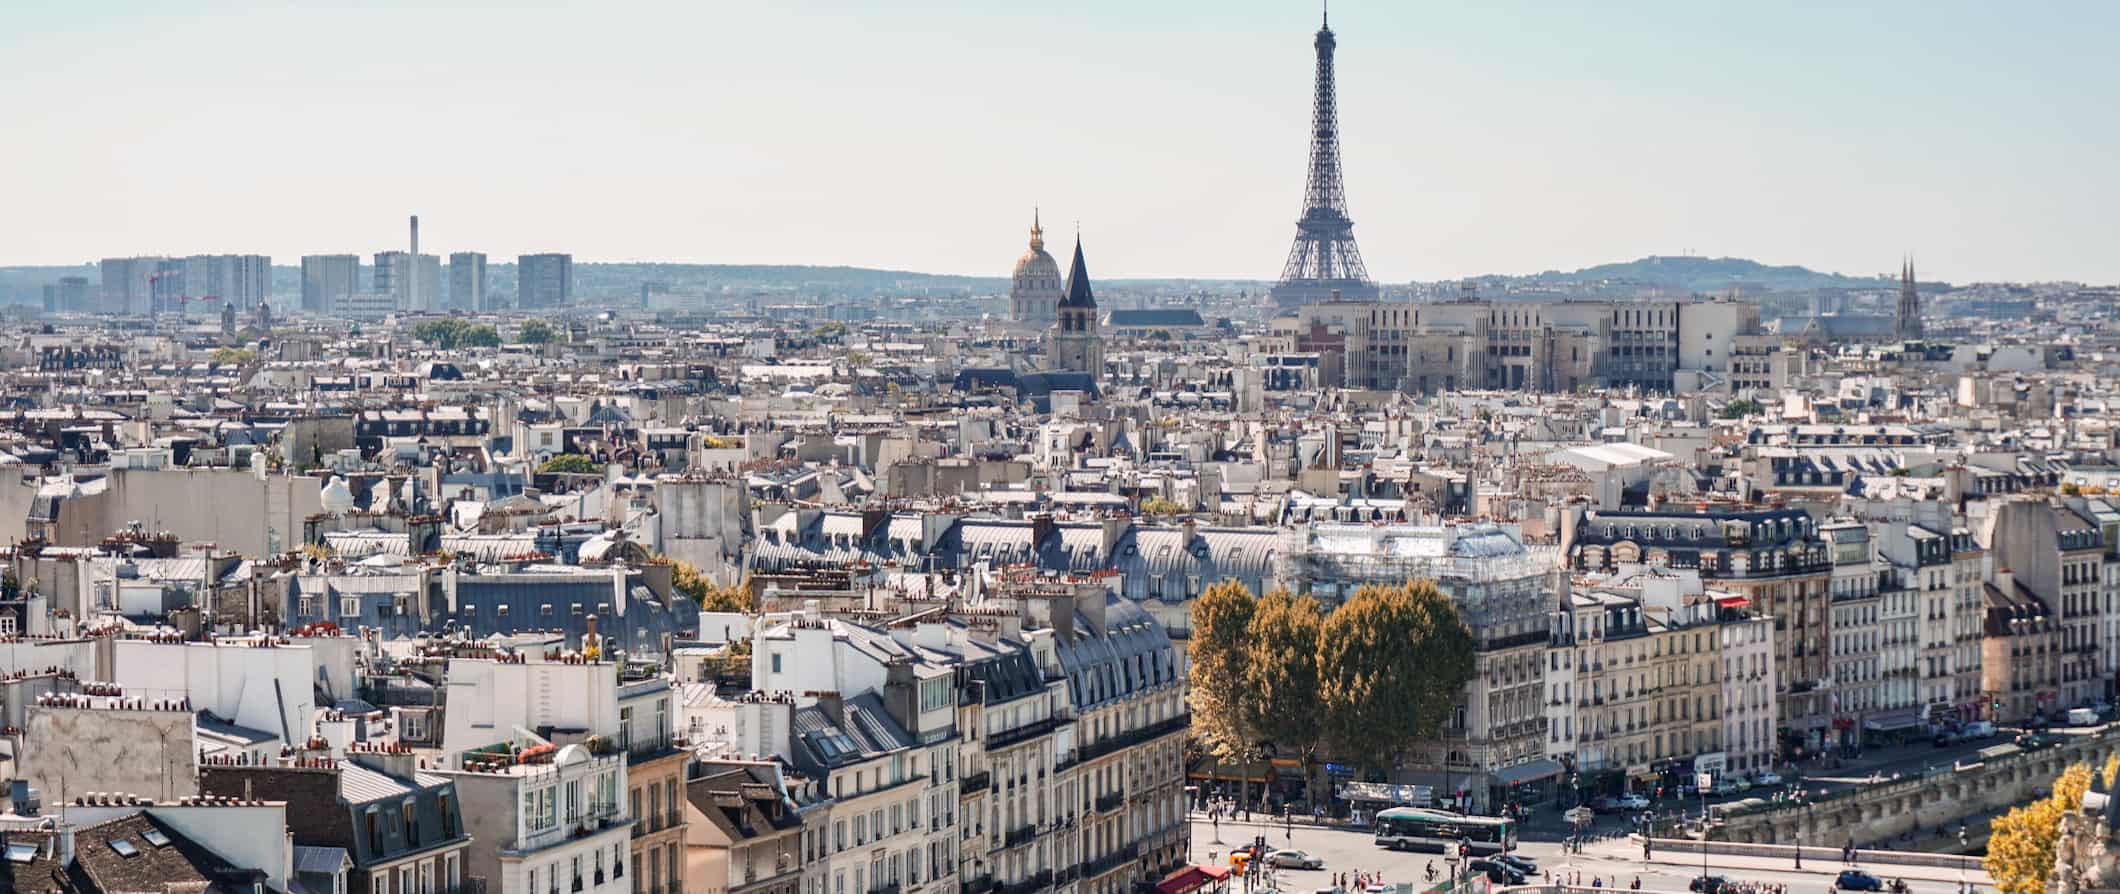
(389, 760)
(832, 706)
(1114, 528)
(66, 846)
(412, 269)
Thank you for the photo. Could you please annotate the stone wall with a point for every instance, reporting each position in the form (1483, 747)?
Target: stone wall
(1939, 799)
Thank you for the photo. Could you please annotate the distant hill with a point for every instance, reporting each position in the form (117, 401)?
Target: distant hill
(1704, 275)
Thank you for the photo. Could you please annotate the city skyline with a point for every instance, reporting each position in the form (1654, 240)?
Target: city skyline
(1499, 140)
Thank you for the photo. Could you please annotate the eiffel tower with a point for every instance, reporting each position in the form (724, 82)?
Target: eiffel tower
(1324, 259)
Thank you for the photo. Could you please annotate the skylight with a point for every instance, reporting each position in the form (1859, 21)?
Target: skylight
(21, 853)
(155, 837)
(124, 847)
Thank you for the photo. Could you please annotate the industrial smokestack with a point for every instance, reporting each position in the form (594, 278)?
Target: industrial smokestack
(412, 269)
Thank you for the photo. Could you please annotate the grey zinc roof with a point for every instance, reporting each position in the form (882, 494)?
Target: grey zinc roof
(1135, 655)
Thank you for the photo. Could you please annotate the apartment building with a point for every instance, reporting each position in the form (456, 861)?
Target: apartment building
(747, 836)
(655, 779)
(1750, 716)
(1921, 560)
(1857, 630)
(1644, 647)
(401, 828)
(547, 819)
(2021, 656)
(1773, 559)
(2058, 556)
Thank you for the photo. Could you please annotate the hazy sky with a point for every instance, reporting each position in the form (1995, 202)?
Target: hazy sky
(1478, 137)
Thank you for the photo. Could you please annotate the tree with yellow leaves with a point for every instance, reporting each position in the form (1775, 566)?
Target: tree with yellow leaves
(687, 579)
(2020, 853)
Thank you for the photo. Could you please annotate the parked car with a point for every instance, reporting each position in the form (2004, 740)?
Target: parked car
(1707, 884)
(2036, 741)
(1768, 777)
(1725, 787)
(2082, 717)
(1858, 880)
(1946, 739)
(1606, 804)
(1978, 729)
(1521, 864)
(1498, 873)
(1294, 860)
(1632, 801)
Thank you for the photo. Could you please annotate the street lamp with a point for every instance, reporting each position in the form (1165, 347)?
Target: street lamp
(1963, 887)
(1701, 783)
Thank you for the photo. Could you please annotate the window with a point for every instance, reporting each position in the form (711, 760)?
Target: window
(382, 883)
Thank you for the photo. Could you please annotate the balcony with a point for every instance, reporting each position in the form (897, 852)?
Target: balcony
(1111, 861)
(1021, 734)
(972, 782)
(979, 884)
(1111, 744)
(1030, 884)
(1109, 802)
(1021, 835)
(889, 888)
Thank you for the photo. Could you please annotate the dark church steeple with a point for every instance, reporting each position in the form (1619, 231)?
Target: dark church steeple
(1074, 343)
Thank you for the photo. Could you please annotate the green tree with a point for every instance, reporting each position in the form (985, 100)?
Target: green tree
(1739, 409)
(1391, 664)
(687, 579)
(535, 332)
(2020, 851)
(453, 333)
(235, 356)
(1281, 696)
(568, 464)
(1217, 652)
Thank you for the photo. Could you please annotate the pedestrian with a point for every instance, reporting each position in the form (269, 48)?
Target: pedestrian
(1637, 883)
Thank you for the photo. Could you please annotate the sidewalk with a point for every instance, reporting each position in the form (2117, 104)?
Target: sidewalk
(1723, 864)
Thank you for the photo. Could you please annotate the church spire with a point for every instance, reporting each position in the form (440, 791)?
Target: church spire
(1037, 231)
(1078, 293)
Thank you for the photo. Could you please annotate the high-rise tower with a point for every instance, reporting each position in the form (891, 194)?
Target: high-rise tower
(1909, 303)
(1324, 259)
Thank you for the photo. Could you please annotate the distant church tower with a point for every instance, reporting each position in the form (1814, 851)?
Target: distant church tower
(1909, 303)
(1034, 291)
(1073, 343)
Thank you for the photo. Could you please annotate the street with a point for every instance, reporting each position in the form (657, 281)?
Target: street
(1617, 861)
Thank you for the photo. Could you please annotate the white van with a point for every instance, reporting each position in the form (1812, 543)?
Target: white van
(1978, 729)
(2082, 717)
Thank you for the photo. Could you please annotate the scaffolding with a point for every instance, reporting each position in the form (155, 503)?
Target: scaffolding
(1499, 584)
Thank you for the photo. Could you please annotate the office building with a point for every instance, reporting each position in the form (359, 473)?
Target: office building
(326, 279)
(128, 284)
(398, 276)
(467, 281)
(545, 280)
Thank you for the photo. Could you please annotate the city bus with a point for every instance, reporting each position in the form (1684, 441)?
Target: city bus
(1402, 828)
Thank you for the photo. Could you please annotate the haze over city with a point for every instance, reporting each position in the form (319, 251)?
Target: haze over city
(1506, 138)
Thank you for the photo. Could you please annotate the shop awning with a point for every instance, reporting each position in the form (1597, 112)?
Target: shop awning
(1382, 793)
(1891, 722)
(1528, 772)
(1184, 881)
(1733, 602)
